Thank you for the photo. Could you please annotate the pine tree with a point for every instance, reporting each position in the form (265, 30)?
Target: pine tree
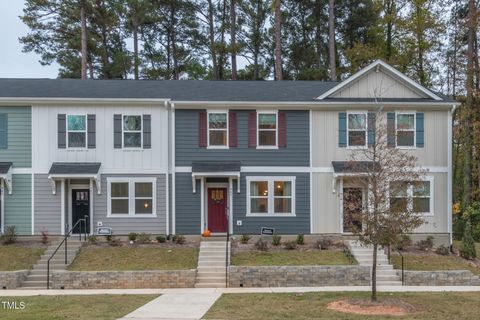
(467, 250)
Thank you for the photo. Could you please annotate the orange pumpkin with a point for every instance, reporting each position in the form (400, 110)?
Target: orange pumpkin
(206, 233)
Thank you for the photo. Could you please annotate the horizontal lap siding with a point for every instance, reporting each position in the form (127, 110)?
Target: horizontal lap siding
(18, 205)
(123, 226)
(47, 205)
(19, 149)
(300, 224)
(295, 154)
(187, 205)
(326, 216)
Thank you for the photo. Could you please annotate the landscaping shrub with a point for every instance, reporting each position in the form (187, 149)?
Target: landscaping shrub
(132, 236)
(261, 245)
(300, 239)
(161, 239)
(425, 245)
(442, 250)
(92, 240)
(276, 240)
(10, 235)
(472, 215)
(144, 237)
(178, 239)
(245, 238)
(324, 244)
(403, 242)
(467, 249)
(113, 241)
(44, 236)
(290, 245)
(349, 254)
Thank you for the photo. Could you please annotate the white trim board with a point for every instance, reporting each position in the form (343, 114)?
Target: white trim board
(273, 169)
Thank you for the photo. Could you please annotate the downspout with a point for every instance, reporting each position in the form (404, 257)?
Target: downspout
(172, 162)
(449, 174)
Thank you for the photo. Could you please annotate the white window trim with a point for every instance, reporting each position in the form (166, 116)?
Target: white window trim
(68, 131)
(135, 131)
(131, 197)
(414, 113)
(430, 179)
(366, 130)
(227, 146)
(271, 196)
(275, 112)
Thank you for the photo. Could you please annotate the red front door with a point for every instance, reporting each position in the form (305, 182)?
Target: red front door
(217, 209)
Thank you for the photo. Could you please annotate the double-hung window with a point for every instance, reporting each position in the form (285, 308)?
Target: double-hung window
(131, 197)
(267, 124)
(405, 129)
(357, 129)
(218, 129)
(132, 131)
(416, 196)
(270, 196)
(76, 131)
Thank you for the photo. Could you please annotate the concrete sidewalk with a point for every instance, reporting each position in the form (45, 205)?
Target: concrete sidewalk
(25, 293)
(175, 306)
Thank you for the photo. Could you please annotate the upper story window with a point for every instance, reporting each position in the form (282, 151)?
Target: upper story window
(416, 196)
(270, 196)
(76, 131)
(267, 129)
(405, 129)
(132, 131)
(218, 129)
(131, 197)
(357, 129)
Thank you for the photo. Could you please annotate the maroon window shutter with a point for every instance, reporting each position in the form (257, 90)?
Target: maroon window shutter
(202, 129)
(252, 130)
(232, 129)
(282, 130)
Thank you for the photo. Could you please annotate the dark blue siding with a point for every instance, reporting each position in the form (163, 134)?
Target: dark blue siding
(187, 205)
(295, 154)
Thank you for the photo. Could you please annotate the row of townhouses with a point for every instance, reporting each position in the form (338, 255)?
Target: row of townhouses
(179, 157)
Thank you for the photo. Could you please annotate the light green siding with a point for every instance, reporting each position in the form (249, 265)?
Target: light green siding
(19, 149)
(18, 205)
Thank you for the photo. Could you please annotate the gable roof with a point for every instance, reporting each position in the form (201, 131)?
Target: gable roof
(389, 71)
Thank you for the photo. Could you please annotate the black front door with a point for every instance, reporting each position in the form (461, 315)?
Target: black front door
(80, 208)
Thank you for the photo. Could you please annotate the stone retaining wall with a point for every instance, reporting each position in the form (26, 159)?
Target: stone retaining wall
(440, 278)
(12, 279)
(123, 279)
(301, 276)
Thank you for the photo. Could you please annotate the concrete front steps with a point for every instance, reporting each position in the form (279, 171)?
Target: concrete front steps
(386, 275)
(37, 277)
(211, 270)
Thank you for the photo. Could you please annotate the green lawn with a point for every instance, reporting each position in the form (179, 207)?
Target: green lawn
(430, 262)
(93, 258)
(82, 307)
(437, 306)
(290, 258)
(17, 257)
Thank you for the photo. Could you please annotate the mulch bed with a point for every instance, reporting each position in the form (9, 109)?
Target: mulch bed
(392, 307)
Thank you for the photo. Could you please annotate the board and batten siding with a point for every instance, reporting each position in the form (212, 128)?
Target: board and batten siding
(18, 205)
(47, 206)
(327, 218)
(125, 225)
(296, 152)
(46, 151)
(325, 147)
(19, 149)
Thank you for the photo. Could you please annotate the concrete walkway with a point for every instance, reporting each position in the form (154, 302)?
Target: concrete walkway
(175, 306)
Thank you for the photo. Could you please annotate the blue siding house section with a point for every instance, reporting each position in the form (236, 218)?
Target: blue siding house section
(295, 154)
(187, 210)
(19, 136)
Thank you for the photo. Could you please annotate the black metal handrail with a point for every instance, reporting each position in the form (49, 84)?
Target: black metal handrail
(403, 270)
(78, 223)
(226, 250)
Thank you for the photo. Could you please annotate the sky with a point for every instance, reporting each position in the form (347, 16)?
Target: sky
(13, 62)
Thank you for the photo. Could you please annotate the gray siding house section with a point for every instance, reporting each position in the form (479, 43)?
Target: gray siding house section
(295, 154)
(299, 224)
(18, 205)
(47, 206)
(187, 206)
(123, 226)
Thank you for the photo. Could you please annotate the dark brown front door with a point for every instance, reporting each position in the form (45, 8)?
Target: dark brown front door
(217, 209)
(352, 209)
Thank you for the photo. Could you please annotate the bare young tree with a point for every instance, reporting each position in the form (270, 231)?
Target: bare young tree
(391, 181)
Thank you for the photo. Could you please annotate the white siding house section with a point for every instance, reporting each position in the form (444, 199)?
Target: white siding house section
(378, 84)
(46, 151)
